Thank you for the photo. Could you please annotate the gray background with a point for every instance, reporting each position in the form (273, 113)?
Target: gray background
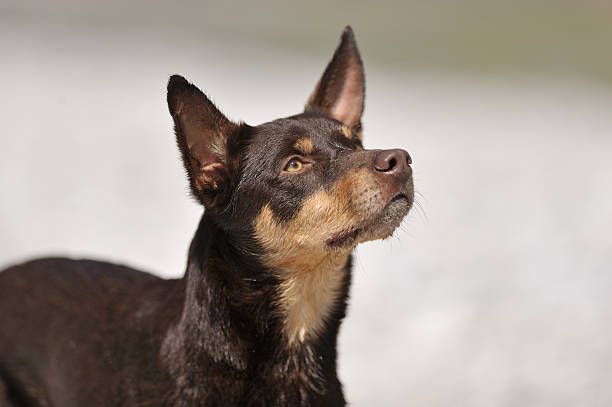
(496, 292)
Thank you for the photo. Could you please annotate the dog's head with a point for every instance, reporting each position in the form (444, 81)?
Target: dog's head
(302, 185)
(297, 193)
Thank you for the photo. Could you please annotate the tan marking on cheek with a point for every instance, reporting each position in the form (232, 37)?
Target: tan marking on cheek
(311, 273)
(347, 132)
(304, 145)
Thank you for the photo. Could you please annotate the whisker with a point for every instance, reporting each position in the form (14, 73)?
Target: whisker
(420, 209)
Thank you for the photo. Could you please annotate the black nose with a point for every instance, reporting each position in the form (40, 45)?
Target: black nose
(392, 161)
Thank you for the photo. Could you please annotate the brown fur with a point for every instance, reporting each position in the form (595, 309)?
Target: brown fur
(255, 319)
(304, 145)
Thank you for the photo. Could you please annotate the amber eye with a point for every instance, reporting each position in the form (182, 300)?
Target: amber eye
(294, 165)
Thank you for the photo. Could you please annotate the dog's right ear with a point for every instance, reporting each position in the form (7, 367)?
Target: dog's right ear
(340, 92)
(202, 132)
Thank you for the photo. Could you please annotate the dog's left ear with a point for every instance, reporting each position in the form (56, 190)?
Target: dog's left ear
(202, 133)
(340, 92)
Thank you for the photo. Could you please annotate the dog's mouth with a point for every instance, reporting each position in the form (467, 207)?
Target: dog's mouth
(381, 226)
(343, 239)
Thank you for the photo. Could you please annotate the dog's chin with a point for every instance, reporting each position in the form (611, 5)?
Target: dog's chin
(381, 227)
(388, 220)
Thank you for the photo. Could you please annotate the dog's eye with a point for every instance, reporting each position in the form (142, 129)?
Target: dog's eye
(294, 165)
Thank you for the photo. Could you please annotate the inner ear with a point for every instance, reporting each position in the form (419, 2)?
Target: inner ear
(340, 92)
(202, 134)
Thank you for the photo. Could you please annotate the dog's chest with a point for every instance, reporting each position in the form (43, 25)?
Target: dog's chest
(296, 380)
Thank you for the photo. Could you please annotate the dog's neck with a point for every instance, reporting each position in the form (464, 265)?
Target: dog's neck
(235, 314)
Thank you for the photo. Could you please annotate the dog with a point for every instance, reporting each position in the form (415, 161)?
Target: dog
(255, 319)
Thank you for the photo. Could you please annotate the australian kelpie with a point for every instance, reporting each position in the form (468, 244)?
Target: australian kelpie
(254, 321)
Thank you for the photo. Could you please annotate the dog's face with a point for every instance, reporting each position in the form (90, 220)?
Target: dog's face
(302, 186)
(318, 190)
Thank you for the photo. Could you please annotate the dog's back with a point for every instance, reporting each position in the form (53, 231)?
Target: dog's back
(65, 323)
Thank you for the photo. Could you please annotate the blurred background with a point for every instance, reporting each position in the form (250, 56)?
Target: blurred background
(497, 290)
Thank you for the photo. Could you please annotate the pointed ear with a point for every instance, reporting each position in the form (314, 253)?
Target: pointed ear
(202, 132)
(340, 92)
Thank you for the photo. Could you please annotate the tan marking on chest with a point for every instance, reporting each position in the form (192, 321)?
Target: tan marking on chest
(311, 273)
(309, 295)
